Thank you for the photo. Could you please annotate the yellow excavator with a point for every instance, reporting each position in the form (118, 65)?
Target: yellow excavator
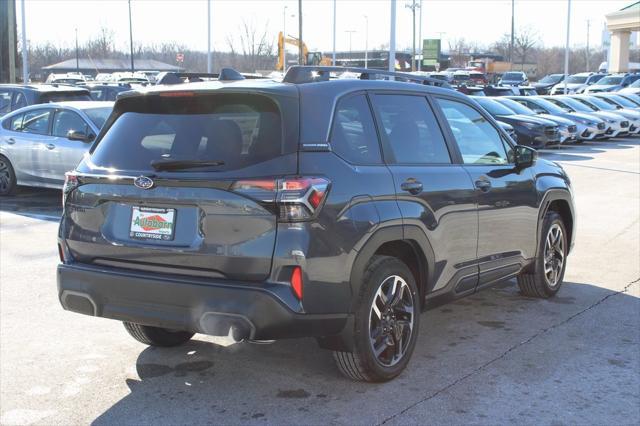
(308, 58)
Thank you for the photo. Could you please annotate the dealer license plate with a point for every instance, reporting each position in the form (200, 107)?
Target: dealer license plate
(148, 223)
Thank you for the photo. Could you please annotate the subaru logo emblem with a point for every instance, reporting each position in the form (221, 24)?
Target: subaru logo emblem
(143, 182)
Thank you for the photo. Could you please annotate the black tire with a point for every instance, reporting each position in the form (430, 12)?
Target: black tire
(536, 283)
(155, 336)
(362, 364)
(7, 177)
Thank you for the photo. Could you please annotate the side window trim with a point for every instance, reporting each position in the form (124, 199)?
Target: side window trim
(387, 152)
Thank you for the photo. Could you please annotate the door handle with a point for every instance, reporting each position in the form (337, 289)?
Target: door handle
(11, 141)
(50, 146)
(412, 186)
(483, 185)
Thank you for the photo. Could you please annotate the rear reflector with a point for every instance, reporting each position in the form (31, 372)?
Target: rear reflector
(61, 252)
(296, 282)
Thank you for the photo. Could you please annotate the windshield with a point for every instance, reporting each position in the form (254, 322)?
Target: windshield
(607, 106)
(552, 78)
(512, 76)
(493, 107)
(574, 79)
(612, 79)
(635, 84)
(578, 106)
(98, 115)
(550, 107)
(461, 76)
(516, 107)
(233, 131)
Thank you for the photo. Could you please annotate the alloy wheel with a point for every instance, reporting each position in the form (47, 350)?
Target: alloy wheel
(554, 255)
(391, 320)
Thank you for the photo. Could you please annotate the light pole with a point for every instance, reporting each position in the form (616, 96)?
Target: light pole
(513, 5)
(366, 41)
(333, 56)
(77, 54)
(25, 60)
(131, 36)
(420, 37)
(392, 38)
(209, 64)
(588, 25)
(301, 60)
(413, 6)
(284, 36)
(566, 49)
(350, 34)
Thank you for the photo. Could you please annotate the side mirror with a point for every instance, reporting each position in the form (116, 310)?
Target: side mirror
(525, 156)
(74, 135)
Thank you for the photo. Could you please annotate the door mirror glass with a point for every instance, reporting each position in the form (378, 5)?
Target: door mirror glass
(525, 156)
(75, 135)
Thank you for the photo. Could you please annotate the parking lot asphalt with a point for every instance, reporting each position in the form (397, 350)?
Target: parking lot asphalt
(493, 358)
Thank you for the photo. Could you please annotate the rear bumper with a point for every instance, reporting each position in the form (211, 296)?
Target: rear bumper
(182, 303)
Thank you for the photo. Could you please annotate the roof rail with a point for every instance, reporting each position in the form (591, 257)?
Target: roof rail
(307, 74)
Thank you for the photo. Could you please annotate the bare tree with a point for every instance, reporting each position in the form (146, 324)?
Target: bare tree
(459, 51)
(255, 46)
(525, 40)
(501, 47)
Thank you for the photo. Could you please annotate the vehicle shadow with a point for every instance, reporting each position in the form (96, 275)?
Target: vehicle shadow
(292, 382)
(41, 202)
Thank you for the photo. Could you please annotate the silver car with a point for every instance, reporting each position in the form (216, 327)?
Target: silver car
(40, 143)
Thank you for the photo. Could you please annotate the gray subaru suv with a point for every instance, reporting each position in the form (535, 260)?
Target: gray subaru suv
(311, 207)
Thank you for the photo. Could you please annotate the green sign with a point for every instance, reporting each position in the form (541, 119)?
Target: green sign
(430, 51)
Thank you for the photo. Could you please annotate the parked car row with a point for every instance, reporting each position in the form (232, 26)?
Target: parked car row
(542, 121)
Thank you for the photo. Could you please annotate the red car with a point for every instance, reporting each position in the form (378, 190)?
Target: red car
(478, 78)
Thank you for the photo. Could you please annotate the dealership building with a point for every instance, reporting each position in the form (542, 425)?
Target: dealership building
(92, 67)
(621, 24)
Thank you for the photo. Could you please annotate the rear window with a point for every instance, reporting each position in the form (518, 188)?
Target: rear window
(238, 130)
(65, 96)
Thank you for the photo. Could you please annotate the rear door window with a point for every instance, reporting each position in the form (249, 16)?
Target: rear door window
(353, 136)
(236, 130)
(19, 101)
(410, 130)
(36, 121)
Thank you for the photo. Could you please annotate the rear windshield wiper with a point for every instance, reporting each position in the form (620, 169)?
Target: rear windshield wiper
(184, 164)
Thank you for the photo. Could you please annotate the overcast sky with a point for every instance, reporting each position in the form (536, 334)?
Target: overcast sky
(184, 21)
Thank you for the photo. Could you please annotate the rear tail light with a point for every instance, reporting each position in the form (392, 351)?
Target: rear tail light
(70, 183)
(61, 252)
(296, 282)
(296, 198)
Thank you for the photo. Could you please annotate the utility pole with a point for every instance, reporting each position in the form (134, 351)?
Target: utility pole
(284, 37)
(333, 55)
(77, 54)
(513, 29)
(25, 57)
(12, 40)
(209, 63)
(392, 38)
(366, 41)
(131, 37)
(301, 58)
(350, 32)
(413, 7)
(588, 25)
(566, 49)
(420, 37)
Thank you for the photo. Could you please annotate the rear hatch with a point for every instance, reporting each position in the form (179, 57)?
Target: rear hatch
(182, 183)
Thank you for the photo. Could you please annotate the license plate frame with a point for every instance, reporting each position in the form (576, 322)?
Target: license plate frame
(148, 223)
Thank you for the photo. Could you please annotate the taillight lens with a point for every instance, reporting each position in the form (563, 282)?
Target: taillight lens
(296, 282)
(296, 198)
(70, 183)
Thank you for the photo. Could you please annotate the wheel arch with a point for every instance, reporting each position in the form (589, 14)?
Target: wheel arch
(561, 202)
